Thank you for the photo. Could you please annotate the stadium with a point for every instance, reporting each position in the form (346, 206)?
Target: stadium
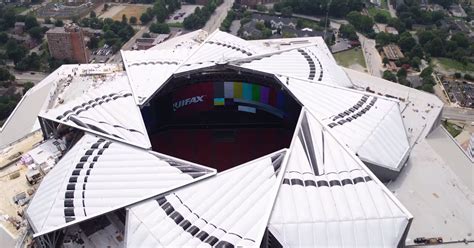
(211, 140)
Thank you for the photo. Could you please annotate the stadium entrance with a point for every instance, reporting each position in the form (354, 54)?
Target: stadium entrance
(221, 119)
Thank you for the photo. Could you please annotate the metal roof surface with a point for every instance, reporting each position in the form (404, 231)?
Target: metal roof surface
(98, 175)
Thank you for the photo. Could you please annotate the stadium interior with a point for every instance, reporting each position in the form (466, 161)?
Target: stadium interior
(221, 118)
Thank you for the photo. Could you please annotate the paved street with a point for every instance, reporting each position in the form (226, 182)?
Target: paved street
(218, 16)
(26, 76)
(455, 113)
(393, 12)
(371, 55)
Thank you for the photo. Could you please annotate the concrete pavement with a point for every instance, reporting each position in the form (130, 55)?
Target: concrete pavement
(27, 76)
(456, 113)
(371, 55)
(218, 16)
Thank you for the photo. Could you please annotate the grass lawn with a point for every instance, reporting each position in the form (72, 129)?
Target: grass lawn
(350, 57)
(453, 65)
(452, 129)
(175, 25)
(384, 4)
(19, 9)
(373, 10)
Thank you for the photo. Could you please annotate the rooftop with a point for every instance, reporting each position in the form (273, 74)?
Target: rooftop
(353, 130)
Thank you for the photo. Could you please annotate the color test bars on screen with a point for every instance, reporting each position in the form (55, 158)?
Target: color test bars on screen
(251, 95)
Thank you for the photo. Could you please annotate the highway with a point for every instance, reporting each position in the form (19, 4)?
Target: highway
(461, 114)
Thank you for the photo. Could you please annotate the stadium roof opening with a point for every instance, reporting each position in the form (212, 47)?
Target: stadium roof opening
(221, 117)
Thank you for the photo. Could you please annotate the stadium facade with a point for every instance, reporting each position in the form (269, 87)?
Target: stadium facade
(211, 140)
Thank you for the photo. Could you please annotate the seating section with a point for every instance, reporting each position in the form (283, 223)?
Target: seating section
(221, 148)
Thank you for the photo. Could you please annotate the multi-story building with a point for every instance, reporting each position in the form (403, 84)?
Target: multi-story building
(67, 43)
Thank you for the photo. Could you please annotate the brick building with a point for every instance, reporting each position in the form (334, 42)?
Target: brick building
(67, 43)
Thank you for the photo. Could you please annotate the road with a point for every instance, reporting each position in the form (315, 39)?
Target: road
(117, 57)
(371, 55)
(393, 12)
(28, 77)
(455, 113)
(218, 16)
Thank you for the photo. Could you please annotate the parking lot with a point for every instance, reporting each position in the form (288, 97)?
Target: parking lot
(101, 55)
(185, 11)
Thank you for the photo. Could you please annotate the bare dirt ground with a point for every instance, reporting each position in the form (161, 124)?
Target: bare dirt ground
(10, 186)
(11, 153)
(129, 11)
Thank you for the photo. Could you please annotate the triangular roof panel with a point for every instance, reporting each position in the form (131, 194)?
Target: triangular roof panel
(231, 208)
(332, 199)
(107, 109)
(97, 176)
(370, 125)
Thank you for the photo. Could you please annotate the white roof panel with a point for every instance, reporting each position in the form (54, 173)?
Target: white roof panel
(330, 199)
(306, 62)
(97, 176)
(370, 125)
(231, 208)
(108, 109)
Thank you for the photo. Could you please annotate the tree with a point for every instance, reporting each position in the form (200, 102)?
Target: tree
(261, 8)
(435, 47)
(133, 20)
(160, 28)
(5, 75)
(259, 25)
(92, 14)
(160, 11)
(388, 75)
(14, 51)
(36, 33)
(457, 75)
(287, 11)
(27, 86)
(361, 22)
(3, 37)
(406, 41)
(427, 88)
(106, 7)
(426, 72)
(146, 35)
(401, 73)
(266, 33)
(93, 43)
(30, 22)
(47, 20)
(385, 61)
(348, 31)
(468, 77)
(58, 23)
(460, 39)
(145, 18)
(124, 19)
(380, 18)
(425, 36)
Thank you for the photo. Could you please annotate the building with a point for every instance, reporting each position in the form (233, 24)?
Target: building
(470, 148)
(291, 155)
(68, 43)
(19, 28)
(457, 11)
(146, 43)
(391, 30)
(393, 52)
